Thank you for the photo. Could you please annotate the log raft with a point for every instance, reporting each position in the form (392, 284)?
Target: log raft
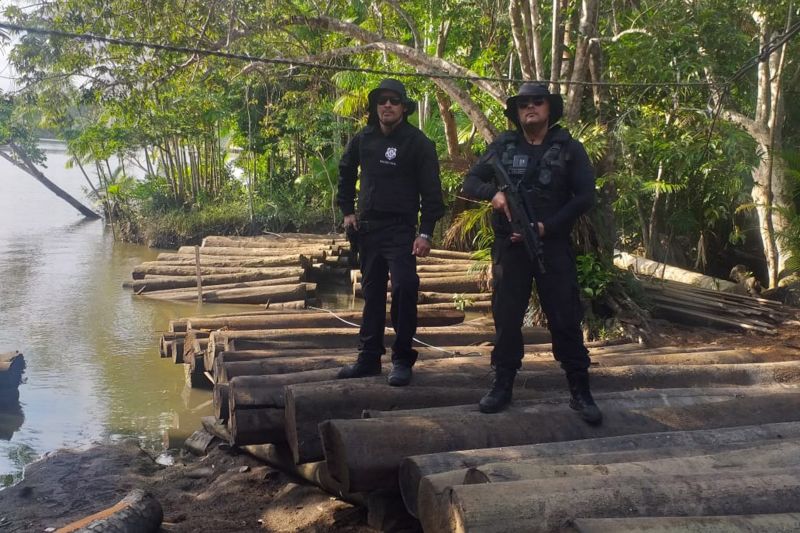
(679, 421)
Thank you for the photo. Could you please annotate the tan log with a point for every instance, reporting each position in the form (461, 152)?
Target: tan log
(444, 261)
(425, 478)
(155, 267)
(177, 282)
(473, 307)
(166, 342)
(365, 454)
(238, 262)
(251, 295)
(447, 284)
(543, 505)
(427, 318)
(446, 267)
(293, 305)
(342, 338)
(433, 505)
(172, 294)
(450, 254)
(774, 523)
(269, 241)
(647, 267)
(256, 252)
(196, 342)
(429, 297)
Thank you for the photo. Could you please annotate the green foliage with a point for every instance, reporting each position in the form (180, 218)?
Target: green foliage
(593, 276)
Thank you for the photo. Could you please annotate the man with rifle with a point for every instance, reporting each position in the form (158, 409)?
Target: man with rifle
(539, 181)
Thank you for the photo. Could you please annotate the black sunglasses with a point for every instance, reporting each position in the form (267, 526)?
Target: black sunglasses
(395, 100)
(522, 103)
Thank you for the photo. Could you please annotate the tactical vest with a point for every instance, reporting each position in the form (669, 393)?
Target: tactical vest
(544, 181)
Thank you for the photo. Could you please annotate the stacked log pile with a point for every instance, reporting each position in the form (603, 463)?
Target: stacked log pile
(269, 270)
(689, 304)
(447, 280)
(708, 432)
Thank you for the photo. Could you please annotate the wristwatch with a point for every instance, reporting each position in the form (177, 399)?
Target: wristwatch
(426, 237)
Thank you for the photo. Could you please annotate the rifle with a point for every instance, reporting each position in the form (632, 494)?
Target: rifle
(523, 219)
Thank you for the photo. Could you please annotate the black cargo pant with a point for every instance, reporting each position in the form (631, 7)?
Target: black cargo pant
(513, 274)
(386, 248)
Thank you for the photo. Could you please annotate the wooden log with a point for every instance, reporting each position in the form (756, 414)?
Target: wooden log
(446, 284)
(450, 254)
(365, 454)
(445, 267)
(191, 292)
(221, 401)
(307, 407)
(776, 453)
(294, 305)
(263, 241)
(316, 473)
(195, 343)
(428, 297)
(256, 252)
(426, 318)
(647, 267)
(161, 269)
(241, 263)
(248, 426)
(774, 523)
(254, 295)
(475, 307)
(425, 478)
(309, 404)
(543, 505)
(342, 338)
(177, 282)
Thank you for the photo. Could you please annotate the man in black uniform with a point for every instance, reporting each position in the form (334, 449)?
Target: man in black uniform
(558, 176)
(399, 180)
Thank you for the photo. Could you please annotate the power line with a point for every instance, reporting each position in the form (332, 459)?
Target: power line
(292, 63)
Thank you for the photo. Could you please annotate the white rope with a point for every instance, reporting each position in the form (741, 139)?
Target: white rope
(431, 346)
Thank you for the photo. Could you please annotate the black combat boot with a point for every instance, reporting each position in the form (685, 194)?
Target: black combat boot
(362, 368)
(582, 400)
(499, 396)
(400, 374)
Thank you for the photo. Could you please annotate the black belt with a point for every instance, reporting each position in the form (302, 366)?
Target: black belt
(365, 226)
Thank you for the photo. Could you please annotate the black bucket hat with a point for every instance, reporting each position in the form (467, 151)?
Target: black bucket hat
(535, 90)
(395, 86)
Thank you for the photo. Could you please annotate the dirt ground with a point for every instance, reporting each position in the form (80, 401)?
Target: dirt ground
(228, 490)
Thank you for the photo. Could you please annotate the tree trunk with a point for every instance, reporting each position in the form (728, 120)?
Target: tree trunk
(587, 31)
(23, 162)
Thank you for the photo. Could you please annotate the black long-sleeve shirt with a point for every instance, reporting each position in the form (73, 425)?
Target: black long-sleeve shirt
(559, 213)
(399, 176)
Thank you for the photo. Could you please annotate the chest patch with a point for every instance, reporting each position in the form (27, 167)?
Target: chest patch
(391, 153)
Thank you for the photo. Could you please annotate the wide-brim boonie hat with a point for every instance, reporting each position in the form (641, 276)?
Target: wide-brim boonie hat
(395, 86)
(529, 89)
